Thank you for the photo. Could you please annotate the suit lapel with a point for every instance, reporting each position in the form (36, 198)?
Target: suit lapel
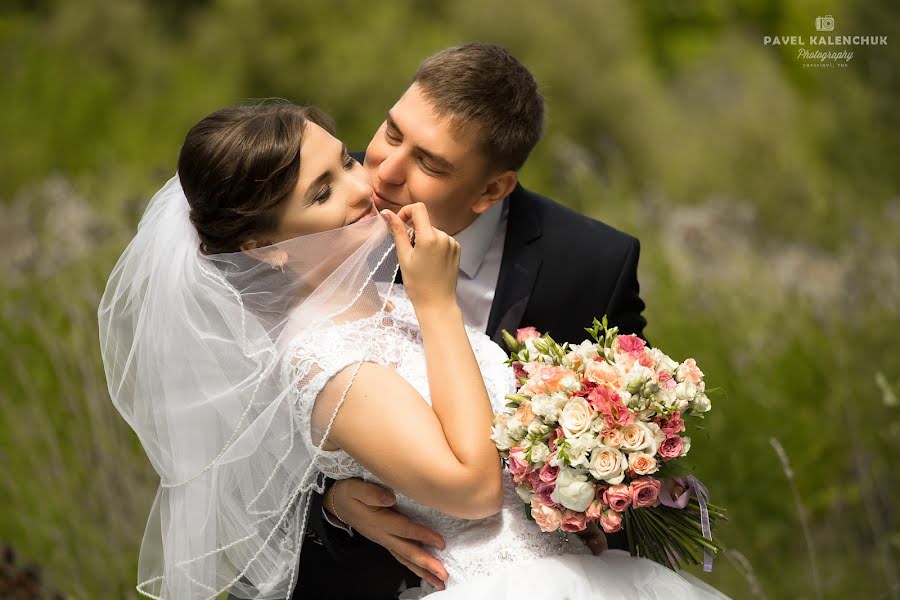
(519, 267)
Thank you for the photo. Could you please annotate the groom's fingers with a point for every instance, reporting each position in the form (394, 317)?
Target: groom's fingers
(422, 573)
(410, 553)
(370, 494)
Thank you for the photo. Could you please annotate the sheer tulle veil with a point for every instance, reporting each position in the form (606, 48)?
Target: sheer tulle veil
(193, 346)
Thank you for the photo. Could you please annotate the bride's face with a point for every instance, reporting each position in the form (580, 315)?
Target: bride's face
(332, 189)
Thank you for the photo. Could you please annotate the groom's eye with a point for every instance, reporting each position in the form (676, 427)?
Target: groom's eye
(349, 162)
(391, 135)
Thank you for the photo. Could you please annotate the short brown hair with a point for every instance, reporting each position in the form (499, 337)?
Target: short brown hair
(239, 165)
(485, 86)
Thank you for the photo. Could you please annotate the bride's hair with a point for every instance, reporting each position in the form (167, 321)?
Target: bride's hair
(239, 165)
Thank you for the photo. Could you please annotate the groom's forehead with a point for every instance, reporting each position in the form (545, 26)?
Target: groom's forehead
(416, 115)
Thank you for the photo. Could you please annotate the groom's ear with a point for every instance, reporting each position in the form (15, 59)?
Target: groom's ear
(497, 188)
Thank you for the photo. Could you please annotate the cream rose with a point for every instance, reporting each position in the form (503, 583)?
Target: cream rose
(547, 518)
(637, 436)
(612, 438)
(608, 464)
(642, 463)
(576, 417)
(573, 490)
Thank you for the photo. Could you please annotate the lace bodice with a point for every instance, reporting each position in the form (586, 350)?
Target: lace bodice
(473, 547)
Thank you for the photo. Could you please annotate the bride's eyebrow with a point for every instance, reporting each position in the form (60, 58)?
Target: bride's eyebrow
(323, 177)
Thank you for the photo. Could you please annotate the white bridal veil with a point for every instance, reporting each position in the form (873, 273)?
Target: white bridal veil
(193, 348)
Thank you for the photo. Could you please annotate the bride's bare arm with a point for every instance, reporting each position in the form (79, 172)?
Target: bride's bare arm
(440, 455)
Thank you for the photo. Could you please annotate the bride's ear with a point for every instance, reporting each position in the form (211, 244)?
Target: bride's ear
(271, 255)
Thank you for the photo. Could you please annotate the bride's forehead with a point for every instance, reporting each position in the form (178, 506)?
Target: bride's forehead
(318, 151)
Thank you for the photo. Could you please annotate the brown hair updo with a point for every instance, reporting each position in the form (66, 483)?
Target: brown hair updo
(238, 166)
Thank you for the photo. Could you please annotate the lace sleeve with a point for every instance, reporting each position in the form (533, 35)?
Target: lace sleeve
(312, 363)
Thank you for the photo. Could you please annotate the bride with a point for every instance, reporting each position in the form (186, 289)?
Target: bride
(254, 340)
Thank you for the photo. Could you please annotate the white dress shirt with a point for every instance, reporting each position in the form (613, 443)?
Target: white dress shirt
(481, 251)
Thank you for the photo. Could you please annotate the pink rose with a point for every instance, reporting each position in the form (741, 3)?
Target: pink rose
(594, 511)
(672, 447)
(544, 490)
(547, 517)
(688, 371)
(600, 371)
(533, 477)
(600, 494)
(606, 400)
(518, 464)
(645, 492)
(631, 344)
(672, 425)
(526, 333)
(611, 521)
(548, 472)
(573, 522)
(618, 497)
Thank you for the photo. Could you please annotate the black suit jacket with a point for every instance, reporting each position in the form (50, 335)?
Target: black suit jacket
(559, 270)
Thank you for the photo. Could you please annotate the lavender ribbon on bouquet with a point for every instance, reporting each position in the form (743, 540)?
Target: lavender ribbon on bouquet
(691, 487)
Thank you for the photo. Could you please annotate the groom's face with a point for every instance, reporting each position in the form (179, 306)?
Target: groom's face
(419, 156)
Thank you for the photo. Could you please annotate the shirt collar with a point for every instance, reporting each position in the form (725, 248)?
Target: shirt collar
(475, 239)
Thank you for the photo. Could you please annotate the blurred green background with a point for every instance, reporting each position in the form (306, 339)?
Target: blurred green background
(765, 195)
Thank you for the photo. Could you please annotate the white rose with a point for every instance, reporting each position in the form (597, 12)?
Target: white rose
(539, 453)
(608, 464)
(525, 493)
(637, 436)
(642, 463)
(579, 448)
(576, 417)
(687, 445)
(573, 490)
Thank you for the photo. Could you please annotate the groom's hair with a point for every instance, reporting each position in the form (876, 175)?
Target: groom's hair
(239, 165)
(484, 86)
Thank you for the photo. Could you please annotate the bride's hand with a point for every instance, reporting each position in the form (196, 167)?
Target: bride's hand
(430, 261)
(366, 508)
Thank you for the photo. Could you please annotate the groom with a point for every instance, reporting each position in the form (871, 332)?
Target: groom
(456, 141)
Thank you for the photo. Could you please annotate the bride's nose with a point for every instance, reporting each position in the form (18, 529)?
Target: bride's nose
(361, 187)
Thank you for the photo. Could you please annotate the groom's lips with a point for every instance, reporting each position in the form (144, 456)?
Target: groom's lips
(383, 202)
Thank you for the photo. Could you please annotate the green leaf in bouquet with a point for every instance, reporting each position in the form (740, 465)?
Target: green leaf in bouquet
(511, 341)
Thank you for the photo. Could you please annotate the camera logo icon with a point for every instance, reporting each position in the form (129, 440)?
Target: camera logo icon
(825, 23)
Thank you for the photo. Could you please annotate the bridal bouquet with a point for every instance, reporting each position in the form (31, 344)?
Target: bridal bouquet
(595, 432)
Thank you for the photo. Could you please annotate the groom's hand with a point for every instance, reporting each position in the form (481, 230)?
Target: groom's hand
(366, 508)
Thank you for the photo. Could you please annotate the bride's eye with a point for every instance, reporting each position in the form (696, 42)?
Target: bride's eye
(323, 195)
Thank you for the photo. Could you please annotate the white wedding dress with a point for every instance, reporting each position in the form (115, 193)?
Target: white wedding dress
(503, 556)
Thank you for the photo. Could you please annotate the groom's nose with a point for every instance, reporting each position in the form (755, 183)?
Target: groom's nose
(392, 169)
